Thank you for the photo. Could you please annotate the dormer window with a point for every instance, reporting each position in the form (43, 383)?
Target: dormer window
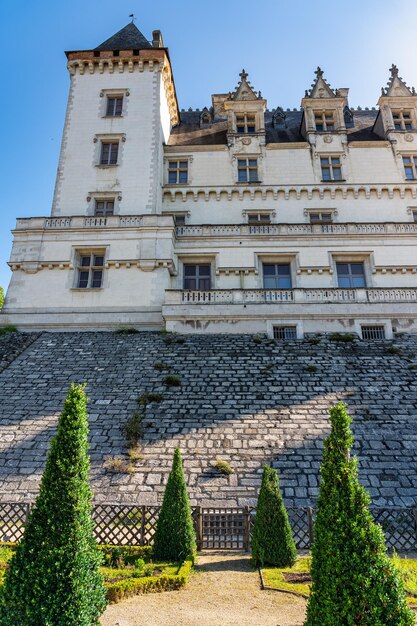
(245, 124)
(402, 120)
(324, 121)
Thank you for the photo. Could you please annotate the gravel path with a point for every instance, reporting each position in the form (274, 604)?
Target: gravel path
(224, 591)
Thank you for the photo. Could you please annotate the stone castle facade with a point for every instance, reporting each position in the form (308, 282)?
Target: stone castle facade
(231, 219)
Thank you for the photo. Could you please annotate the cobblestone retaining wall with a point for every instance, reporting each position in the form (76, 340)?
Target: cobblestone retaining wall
(242, 399)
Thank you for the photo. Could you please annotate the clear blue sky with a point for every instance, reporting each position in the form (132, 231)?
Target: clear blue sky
(279, 44)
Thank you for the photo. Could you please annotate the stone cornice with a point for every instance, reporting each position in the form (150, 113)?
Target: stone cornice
(152, 59)
(285, 192)
(146, 265)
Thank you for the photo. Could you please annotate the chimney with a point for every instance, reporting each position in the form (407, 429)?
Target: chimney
(157, 39)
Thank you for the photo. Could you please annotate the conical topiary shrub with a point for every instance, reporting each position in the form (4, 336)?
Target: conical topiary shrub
(174, 538)
(354, 581)
(272, 539)
(53, 578)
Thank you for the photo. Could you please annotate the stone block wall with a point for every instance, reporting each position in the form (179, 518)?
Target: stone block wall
(243, 399)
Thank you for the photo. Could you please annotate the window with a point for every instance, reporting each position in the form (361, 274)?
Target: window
(90, 271)
(178, 172)
(247, 170)
(197, 277)
(114, 106)
(179, 220)
(285, 332)
(104, 207)
(410, 167)
(331, 168)
(321, 217)
(245, 124)
(324, 121)
(350, 275)
(414, 216)
(277, 276)
(402, 120)
(259, 218)
(109, 153)
(373, 332)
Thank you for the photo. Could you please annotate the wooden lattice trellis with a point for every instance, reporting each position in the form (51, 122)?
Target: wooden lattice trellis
(226, 528)
(13, 516)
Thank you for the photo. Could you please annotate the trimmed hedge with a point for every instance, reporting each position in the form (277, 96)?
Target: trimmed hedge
(354, 581)
(272, 538)
(148, 584)
(174, 538)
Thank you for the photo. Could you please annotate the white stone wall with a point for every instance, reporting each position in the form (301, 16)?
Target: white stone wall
(136, 177)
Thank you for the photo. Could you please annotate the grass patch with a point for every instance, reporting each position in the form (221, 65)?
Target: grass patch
(148, 397)
(223, 467)
(160, 365)
(118, 465)
(280, 578)
(133, 429)
(7, 329)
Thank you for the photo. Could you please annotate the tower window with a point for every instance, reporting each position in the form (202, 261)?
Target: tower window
(247, 170)
(402, 120)
(114, 106)
(410, 167)
(245, 124)
(277, 276)
(178, 172)
(331, 168)
(90, 271)
(103, 208)
(324, 121)
(350, 275)
(109, 153)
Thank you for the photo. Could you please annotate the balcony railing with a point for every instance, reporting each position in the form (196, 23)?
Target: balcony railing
(230, 230)
(77, 222)
(283, 296)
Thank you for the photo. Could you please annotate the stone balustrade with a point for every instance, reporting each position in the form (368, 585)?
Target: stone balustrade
(227, 230)
(76, 222)
(276, 296)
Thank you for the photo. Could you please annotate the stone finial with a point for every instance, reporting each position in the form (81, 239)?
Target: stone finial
(394, 70)
(243, 75)
(319, 72)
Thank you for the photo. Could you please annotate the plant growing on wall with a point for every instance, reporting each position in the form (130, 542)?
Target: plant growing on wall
(354, 581)
(53, 577)
(1, 297)
(174, 538)
(272, 539)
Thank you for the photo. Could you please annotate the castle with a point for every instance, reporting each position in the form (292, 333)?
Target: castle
(231, 219)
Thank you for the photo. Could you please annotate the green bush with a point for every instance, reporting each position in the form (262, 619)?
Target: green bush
(272, 539)
(7, 329)
(342, 337)
(160, 365)
(125, 555)
(354, 581)
(172, 380)
(148, 397)
(127, 331)
(53, 577)
(174, 538)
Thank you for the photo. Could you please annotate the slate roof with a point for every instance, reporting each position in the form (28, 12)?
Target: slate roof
(128, 38)
(189, 133)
